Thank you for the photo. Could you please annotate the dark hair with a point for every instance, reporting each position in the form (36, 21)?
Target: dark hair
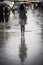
(21, 7)
(1, 0)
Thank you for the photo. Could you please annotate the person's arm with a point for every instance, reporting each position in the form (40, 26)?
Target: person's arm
(25, 10)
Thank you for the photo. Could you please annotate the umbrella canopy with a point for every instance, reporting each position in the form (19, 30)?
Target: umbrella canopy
(9, 3)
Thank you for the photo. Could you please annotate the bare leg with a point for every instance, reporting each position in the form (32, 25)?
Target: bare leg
(22, 29)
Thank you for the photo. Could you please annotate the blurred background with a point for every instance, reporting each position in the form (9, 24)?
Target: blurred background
(14, 48)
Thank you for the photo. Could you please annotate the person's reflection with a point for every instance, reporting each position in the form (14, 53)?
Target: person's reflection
(22, 50)
(3, 38)
(42, 31)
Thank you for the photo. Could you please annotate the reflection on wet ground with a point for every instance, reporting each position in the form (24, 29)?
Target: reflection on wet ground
(22, 50)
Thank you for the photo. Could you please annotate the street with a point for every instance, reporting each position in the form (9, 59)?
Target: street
(22, 50)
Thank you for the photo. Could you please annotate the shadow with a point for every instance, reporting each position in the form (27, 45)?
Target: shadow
(22, 50)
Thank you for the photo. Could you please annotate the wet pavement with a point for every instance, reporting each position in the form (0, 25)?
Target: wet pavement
(22, 50)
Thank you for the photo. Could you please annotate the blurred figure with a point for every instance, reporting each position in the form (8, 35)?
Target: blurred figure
(7, 12)
(3, 11)
(22, 15)
(13, 9)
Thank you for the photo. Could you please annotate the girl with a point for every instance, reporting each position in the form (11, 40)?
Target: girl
(23, 18)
